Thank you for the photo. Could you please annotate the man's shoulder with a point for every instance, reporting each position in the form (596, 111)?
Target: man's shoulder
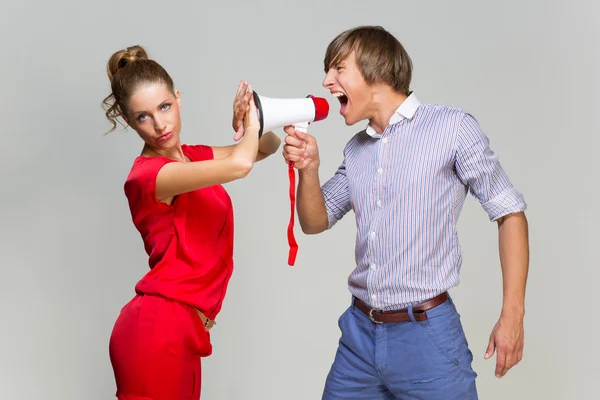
(441, 111)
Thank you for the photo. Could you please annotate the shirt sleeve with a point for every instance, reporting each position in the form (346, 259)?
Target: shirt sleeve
(140, 187)
(478, 167)
(337, 196)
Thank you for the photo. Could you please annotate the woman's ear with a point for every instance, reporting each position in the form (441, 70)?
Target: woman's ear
(178, 97)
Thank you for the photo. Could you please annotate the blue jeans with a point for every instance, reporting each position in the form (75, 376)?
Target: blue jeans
(427, 360)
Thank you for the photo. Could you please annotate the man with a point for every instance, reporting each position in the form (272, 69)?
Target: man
(406, 177)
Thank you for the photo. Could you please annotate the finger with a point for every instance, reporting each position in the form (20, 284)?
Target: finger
(300, 134)
(292, 141)
(517, 353)
(243, 104)
(304, 137)
(244, 99)
(294, 158)
(295, 151)
(251, 98)
(239, 89)
(290, 130)
(239, 134)
(241, 110)
(490, 349)
(251, 113)
(298, 160)
(508, 364)
(500, 362)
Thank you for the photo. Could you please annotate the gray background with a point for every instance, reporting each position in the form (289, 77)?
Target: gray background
(71, 256)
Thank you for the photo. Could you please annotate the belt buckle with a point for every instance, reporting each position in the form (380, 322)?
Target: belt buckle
(371, 315)
(209, 324)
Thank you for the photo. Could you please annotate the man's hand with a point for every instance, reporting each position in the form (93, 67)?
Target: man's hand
(507, 340)
(300, 148)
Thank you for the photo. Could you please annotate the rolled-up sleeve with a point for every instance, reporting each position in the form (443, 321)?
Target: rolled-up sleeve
(478, 167)
(337, 196)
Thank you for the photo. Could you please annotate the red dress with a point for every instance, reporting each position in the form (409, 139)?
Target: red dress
(158, 338)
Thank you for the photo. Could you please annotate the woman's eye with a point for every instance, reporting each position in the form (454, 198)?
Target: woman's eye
(142, 117)
(165, 107)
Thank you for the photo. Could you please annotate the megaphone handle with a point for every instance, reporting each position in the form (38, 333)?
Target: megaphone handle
(291, 239)
(303, 127)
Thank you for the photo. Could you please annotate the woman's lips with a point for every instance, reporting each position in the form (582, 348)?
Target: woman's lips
(165, 136)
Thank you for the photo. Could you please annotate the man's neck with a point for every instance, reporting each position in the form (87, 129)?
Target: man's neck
(385, 101)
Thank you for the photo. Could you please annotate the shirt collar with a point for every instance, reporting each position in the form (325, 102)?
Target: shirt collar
(406, 110)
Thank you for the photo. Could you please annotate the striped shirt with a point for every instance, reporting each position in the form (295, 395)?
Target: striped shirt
(407, 188)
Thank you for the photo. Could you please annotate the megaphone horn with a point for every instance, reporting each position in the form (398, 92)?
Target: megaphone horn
(277, 113)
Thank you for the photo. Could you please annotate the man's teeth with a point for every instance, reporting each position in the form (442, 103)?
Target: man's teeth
(338, 94)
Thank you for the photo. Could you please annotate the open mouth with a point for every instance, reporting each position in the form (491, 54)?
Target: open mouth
(343, 99)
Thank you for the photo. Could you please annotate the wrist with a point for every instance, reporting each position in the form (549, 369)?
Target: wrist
(252, 132)
(311, 170)
(513, 311)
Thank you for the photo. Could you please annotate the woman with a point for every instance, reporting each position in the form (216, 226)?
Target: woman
(185, 219)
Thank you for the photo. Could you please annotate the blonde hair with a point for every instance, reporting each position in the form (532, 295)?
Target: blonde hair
(380, 57)
(127, 70)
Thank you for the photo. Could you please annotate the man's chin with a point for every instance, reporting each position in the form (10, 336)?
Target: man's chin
(350, 121)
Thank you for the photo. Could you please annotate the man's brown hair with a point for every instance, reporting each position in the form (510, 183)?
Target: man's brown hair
(379, 56)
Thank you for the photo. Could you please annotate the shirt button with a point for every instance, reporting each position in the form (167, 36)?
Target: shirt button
(374, 296)
(373, 267)
(384, 140)
(373, 235)
(378, 203)
(380, 171)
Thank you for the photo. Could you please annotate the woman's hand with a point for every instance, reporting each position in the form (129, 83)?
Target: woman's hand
(240, 108)
(251, 122)
(244, 153)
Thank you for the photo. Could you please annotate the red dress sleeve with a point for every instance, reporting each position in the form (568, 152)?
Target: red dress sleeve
(140, 186)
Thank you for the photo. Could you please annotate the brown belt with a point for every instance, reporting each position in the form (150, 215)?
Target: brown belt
(207, 322)
(419, 311)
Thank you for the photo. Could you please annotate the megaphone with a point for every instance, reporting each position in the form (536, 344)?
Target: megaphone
(277, 113)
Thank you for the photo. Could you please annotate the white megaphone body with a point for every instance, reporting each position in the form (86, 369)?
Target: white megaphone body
(277, 113)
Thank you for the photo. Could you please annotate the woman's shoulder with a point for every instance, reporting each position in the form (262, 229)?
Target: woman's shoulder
(143, 172)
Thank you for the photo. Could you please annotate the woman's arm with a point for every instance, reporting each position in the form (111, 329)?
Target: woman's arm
(267, 145)
(177, 177)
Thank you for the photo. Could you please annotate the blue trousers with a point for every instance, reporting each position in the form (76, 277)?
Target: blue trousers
(427, 360)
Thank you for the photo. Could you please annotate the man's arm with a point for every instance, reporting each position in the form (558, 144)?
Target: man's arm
(319, 208)
(507, 337)
(267, 145)
(312, 213)
(478, 167)
(302, 150)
